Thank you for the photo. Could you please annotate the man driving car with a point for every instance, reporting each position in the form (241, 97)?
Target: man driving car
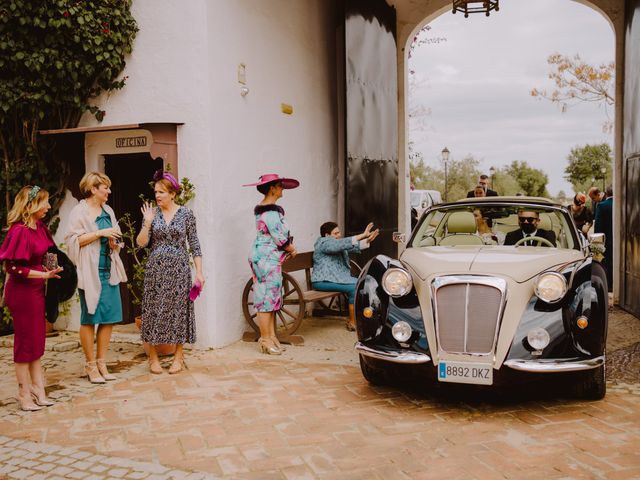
(528, 221)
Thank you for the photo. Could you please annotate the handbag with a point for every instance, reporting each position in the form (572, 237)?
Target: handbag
(2, 292)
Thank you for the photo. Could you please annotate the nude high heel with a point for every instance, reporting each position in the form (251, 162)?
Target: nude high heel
(26, 402)
(277, 343)
(267, 346)
(92, 373)
(40, 400)
(102, 368)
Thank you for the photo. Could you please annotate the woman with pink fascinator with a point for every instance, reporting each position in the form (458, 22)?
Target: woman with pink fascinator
(167, 300)
(271, 247)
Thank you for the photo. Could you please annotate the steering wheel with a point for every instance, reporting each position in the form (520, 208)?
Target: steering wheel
(536, 239)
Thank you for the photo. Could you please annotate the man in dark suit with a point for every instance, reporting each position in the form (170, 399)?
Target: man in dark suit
(604, 224)
(528, 221)
(484, 181)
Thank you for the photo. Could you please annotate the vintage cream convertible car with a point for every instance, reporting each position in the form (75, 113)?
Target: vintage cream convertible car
(489, 308)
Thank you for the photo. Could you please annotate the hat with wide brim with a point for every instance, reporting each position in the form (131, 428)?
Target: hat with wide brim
(274, 177)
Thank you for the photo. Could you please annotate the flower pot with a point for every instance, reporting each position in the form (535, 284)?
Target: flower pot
(162, 349)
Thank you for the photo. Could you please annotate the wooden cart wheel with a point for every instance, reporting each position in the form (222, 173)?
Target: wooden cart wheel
(247, 306)
(289, 318)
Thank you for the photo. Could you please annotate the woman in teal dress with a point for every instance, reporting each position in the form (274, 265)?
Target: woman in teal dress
(94, 245)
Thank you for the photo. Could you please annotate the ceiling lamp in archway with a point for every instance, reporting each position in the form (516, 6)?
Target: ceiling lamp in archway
(475, 6)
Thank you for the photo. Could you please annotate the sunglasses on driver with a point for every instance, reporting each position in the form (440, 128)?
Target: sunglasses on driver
(527, 219)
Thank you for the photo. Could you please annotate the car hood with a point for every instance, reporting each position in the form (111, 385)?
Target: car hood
(519, 263)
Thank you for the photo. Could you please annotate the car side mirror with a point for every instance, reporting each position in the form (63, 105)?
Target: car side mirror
(399, 237)
(596, 246)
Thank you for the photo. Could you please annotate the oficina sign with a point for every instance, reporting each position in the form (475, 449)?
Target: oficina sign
(127, 142)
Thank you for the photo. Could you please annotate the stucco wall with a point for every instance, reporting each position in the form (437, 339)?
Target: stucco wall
(184, 69)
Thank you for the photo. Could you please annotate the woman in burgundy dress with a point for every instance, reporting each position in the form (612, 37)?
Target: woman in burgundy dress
(22, 252)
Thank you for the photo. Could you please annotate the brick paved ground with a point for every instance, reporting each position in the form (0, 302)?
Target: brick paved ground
(237, 414)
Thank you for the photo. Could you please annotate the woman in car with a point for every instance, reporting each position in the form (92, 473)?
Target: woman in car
(485, 232)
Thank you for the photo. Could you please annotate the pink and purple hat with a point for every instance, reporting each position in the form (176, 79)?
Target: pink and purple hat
(162, 175)
(274, 177)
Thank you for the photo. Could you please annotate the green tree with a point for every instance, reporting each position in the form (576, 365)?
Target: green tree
(586, 165)
(56, 57)
(504, 183)
(532, 181)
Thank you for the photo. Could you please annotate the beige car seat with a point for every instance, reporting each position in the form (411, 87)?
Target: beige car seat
(461, 230)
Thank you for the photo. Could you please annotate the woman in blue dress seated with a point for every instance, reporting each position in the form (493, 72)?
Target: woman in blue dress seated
(331, 269)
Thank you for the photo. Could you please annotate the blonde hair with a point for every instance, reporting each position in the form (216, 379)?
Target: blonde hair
(93, 179)
(23, 208)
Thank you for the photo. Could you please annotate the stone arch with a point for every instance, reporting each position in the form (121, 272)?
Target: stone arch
(412, 16)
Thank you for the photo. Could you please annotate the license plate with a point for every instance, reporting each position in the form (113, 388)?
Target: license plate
(456, 372)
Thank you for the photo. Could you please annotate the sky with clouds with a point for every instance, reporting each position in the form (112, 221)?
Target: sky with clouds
(476, 86)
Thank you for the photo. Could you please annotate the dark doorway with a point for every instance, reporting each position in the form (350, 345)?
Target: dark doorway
(130, 175)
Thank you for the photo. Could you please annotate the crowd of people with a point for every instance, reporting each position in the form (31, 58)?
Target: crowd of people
(94, 241)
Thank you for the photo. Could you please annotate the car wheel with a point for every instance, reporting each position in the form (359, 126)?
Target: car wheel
(373, 375)
(593, 386)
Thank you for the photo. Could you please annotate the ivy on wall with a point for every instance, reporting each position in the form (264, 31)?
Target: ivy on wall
(56, 57)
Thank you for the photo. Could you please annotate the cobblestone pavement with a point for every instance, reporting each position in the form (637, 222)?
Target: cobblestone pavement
(309, 414)
(39, 461)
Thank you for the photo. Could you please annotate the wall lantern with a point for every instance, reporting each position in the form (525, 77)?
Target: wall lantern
(475, 6)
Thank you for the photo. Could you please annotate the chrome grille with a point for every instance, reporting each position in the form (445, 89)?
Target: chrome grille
(467, 312)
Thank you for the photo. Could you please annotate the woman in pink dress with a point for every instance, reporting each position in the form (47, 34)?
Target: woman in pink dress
(22, 252)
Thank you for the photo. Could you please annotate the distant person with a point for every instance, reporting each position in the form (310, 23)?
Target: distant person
(604, 224)
(528, 221)
(596, 196)
(479, 192)
(331, 268)
(484, 181)
(580, 212)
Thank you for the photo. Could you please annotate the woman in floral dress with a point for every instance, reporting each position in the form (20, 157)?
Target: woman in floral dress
(167, 311)
(272, 245)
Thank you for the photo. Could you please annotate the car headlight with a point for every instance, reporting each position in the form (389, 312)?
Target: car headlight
(397, 282)
(550, 287)
(538, 338)
(401, 331)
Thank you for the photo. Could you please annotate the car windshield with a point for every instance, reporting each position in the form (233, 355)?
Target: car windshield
(496, 224)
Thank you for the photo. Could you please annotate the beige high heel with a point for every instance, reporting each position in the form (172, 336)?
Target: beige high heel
(41, 401)
(102, 368)
(26, 402)
(277, 343)
(267, 346)
(92, 372)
